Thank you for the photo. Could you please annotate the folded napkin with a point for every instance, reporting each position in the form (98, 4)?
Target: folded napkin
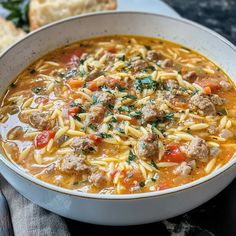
(25, 218)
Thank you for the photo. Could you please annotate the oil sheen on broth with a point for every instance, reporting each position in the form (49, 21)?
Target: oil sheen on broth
(120, 114)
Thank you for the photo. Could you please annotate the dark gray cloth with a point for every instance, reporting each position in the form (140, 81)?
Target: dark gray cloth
(27, 218)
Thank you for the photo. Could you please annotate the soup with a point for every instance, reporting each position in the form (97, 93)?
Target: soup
(120, 114)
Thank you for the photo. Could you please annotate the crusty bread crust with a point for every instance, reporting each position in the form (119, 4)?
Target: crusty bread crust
(9, 34)
(42, 12)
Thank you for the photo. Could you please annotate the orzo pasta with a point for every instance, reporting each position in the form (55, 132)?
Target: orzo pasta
(120, 114)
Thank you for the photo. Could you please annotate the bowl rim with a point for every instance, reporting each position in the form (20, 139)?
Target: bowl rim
(23, 173)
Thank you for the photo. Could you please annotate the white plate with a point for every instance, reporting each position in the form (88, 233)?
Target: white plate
(152, 6)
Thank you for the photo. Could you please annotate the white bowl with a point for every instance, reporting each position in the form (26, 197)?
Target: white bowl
(126, 209)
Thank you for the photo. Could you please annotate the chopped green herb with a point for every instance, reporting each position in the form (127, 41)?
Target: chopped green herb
(148, 47)
(136, 114)
(120, 130)
(110, 106)
(131, 157)
(77, 117)
(71, 73)
(37, 90)
(183, 89)
(113, 119)
(222, 112)
(82, 73)
(95, 100)
(120, 88)
(82, 61)
(80, 182)
(110, 126)
(168, 117)
(121, 58)
(104, 135)
(147, 83)
(153, 179)
(195, 92)
(142, 184)
(124, 109)
(154, 164)
(91, 126)
(129, 96)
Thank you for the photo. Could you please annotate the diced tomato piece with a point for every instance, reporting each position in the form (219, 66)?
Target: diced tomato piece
(95, 138)
(73, 111)
(113, 173)
(41, 100)
(73, 57)
(112, 82)
(93, 86)
(41, 140)
(207, 90)
(163, 186)
(212, 84)
(111, 50)
(75, 83)
(132, 178)
(174, 154)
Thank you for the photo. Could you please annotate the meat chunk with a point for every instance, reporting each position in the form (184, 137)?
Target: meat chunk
(150, 113)
(183, 169)
(93, 75)
(139, 65)
(96, 114)
(98, 179)
(226, 86)
(213, 129)
(105, 98)
(154, 56)
(191, 76)
(147, 146)
(15, 133)
(84, 145)
(202, 102)
(40, 121)
(74, 163)
(198, 149)
(62, 140)
(167, 63)
(217, 100)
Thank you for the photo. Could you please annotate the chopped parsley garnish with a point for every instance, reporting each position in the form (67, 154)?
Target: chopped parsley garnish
(37, 90)
(146, 83)
(124, 108)
(222, 112)
(136, 114)
(147, 47)
(110, 106)
(71, 73)
(91, 126)
(113, 119)
(131, 157)
(153, 179)
(142, 184)
(195, 92)
(95, 99)
(74, 104)
(110, 126)
(120, 88)
(120, 130)
(154, 164)
(168, 117)
(76, 116)
(129, 96)
(87, 150)
(104, 135)
(82, 73)
(82, 61)
(121, 58)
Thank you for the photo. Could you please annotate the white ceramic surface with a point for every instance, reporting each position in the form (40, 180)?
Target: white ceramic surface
(117, 209)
